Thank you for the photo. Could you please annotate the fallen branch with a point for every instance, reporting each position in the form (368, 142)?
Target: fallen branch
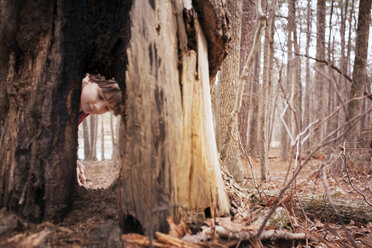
(163, 240)
(244, 235)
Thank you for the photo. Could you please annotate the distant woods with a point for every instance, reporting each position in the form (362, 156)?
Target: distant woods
(310, 82)
(96, 132)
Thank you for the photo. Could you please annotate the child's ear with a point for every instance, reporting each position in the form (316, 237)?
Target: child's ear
(86, 79)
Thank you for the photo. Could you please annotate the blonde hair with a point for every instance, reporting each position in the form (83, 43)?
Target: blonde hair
(110, 89)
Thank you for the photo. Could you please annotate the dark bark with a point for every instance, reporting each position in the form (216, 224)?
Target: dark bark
(213, 20)
(46, 48)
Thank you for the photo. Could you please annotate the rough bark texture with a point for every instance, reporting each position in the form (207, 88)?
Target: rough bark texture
(253, 113)
(266, 79)
(225, 97)
(213, 20)
(46, 48)
(360, 70)
(318, 207)
(247, 34)
(173, 169)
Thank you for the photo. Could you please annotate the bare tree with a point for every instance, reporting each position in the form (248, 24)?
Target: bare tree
(320, 69)
(87, 151)
(93, 121)
(263, 113)
(247, 33)
(102, 138)
(308, 73)
(360, 71)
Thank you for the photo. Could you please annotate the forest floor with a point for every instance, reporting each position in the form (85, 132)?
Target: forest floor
(93, 221)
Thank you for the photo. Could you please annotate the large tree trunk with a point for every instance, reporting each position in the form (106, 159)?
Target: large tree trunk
(170, 164)
(360, 68)
(225, 97)
(46, 48)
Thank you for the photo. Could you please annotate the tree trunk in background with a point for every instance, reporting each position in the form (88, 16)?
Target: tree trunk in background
(288, 87)
(307, 108)
(93, 135)
(297, 75)
(319, 69)
(247, 34)
(42, 63)
(87, 151)
(342, 81)
(360, 71)
(113, 134)
(253, 116)
(170, 164)
(349, 40)
(102, 139)
(225, 96)
(263, 113)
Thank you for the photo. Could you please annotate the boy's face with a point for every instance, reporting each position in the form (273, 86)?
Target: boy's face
(92, 100)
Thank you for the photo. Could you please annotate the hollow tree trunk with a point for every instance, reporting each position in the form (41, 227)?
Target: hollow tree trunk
(170, 164)
(168, 147)
(46, 48)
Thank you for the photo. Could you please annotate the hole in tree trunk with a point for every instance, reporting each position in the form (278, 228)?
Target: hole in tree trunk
(207, 213)
(98, 149)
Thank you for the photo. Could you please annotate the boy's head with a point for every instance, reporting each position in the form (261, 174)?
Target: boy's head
(99, 95)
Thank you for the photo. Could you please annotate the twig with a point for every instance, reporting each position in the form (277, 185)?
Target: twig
(321, 144)
(326, 188)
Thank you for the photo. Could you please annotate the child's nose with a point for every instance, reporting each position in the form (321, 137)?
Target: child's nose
(100, 106)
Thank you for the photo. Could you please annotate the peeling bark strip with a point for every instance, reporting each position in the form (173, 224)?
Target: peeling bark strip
(46, 48)
(214, 22)
(170, 166)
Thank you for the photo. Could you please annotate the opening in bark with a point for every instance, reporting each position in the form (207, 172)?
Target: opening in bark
(131, 225)
(207, 213)
(98, 150)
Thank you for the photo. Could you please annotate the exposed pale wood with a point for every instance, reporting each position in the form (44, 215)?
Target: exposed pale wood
(170, 166)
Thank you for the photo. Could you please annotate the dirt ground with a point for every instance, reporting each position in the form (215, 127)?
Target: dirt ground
(93, 221)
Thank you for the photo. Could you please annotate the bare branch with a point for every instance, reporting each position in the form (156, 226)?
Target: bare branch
(297, 172)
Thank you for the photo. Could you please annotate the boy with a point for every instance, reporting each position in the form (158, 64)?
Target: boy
(98, 96)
